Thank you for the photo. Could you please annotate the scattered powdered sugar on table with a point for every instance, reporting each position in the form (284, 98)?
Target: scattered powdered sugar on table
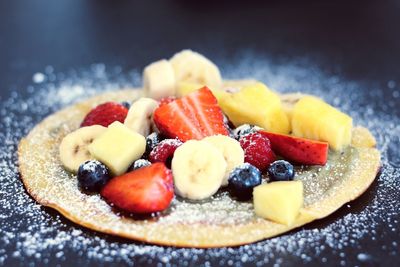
(33, 235)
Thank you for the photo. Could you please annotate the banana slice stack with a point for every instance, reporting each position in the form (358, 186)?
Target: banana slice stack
(161, 77)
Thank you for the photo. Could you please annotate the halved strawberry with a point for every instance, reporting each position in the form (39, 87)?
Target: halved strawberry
(193, 116)
(105, 114)
(145, 190)
(299, 150)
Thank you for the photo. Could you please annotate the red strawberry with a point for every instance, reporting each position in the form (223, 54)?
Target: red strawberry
(299, 150)
(257, 150)
(164, 151)
(193, 116)
(105, 114)
(166, 100)
(145, 190)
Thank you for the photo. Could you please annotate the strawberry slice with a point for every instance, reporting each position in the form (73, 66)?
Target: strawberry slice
(299, 150)
(193, 116)
(105, 114)
(145, 190)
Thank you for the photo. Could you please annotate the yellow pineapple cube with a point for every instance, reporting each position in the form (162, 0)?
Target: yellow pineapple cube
(279, 201)
(236, 85)
(258, 105)
(288, 102)
(183, 88)
(118, 147)
(220, 95)
(314, 119)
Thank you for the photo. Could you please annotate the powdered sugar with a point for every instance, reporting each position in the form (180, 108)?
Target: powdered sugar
(37, 235)
(38, 77)
(140, 163)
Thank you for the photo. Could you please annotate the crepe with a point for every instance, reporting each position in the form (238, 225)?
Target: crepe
(218, 222)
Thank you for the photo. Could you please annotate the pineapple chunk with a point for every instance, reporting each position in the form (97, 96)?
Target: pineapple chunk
(235, 85)
(288, 102)
(220, 95)
(258, 105)
(184, 88)
(314, 119)
(279, 201)
(118, 147)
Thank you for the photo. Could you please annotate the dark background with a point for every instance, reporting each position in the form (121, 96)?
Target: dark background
(361, 38)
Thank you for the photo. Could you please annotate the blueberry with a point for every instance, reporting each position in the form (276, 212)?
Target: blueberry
(139, 164)
(242, 180)
(126, 104)
(92, 176)
(152, 140)
(281, 170)
(245, 129)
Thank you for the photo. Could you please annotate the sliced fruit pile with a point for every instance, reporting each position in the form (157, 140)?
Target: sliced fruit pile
(186, 139)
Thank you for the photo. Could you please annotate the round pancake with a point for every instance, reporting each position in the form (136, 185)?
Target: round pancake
(217, 222)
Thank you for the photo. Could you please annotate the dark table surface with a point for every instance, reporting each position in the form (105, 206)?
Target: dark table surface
(358, 40)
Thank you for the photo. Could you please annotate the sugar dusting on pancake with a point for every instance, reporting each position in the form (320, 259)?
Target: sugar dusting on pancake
(46, 235)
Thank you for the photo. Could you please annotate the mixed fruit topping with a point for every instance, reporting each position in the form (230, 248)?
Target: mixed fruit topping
(192, 135)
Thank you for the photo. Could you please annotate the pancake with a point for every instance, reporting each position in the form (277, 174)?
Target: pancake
(217, 222)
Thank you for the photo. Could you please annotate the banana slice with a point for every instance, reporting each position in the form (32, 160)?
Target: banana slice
(198, 168)
(230, 149)
(74, 147)
(159, 80)
(193, 67)
(140, 115)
